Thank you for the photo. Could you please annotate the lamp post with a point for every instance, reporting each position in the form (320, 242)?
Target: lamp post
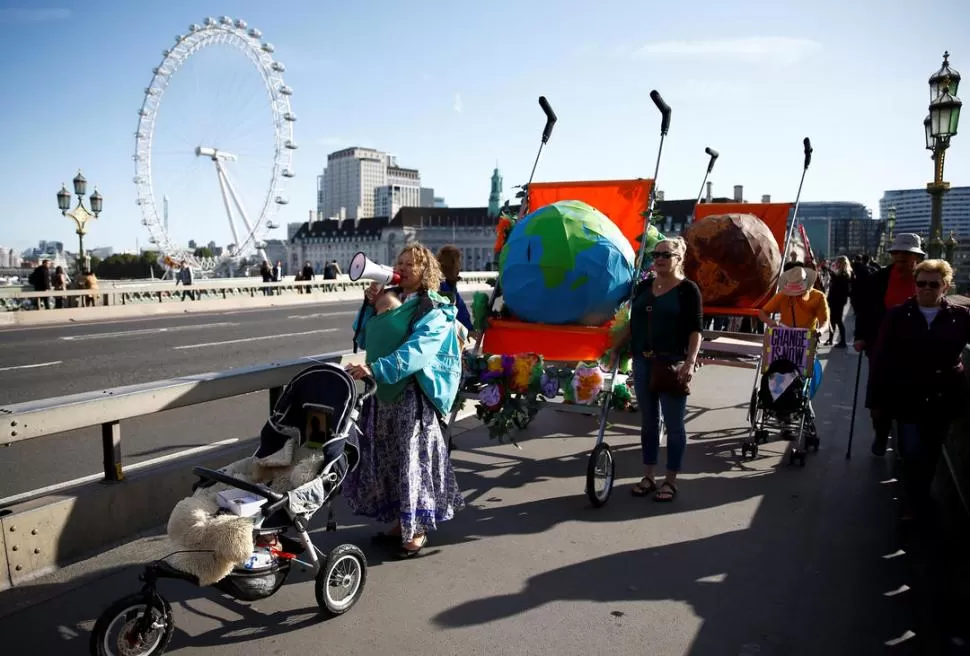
(80, 214)
(887, 235)
(939, 127)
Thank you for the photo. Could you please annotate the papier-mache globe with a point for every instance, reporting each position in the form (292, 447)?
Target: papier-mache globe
(566, 263)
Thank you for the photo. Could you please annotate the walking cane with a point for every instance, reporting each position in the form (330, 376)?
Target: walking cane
(855, 404)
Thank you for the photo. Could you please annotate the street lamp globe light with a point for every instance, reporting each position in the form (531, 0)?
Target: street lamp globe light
(945, 77)
(80, 184)
(928, 129)
(945, 115)
(96, 202)
(64, 199)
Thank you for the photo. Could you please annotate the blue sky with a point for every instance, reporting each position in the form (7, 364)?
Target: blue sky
(451, 89)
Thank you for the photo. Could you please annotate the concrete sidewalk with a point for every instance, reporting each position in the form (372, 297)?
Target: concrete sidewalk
(754, 557)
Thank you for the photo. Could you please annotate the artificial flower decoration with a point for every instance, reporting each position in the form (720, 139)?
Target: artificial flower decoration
(549, 384)
(587, 383)
(480, 311)
(492, 396)
(502, 230)
(524, 370)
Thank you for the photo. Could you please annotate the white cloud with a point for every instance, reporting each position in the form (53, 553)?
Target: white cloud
(33, 15)
(458, 106)
(774, 49)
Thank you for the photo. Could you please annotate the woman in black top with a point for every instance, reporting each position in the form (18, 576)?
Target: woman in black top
(840, 288)
(665, 329)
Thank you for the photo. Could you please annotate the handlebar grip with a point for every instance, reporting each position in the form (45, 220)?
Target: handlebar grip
(664, 110)
(551, 118)
(713, 153)
(808, 151)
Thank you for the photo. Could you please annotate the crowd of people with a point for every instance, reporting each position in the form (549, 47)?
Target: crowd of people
(911, 333)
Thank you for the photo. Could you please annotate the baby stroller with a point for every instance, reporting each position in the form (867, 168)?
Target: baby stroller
(783, 401)
(318, 408)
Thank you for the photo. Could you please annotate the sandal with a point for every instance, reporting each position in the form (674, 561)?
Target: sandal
(411, 553)
(666, 493)
(641, 490)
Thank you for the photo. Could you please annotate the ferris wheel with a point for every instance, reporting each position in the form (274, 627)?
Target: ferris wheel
(264, 190)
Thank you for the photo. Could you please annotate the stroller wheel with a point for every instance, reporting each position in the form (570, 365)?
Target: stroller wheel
(813, 443)
(797, 457)
(124, 630)
(761, 436)
(340, 583)
(749, 449)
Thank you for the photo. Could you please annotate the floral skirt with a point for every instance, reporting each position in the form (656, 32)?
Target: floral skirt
(405, 472)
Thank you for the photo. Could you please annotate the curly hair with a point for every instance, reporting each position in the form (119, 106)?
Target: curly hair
(940, 267)
(449, 258)
(425, 263)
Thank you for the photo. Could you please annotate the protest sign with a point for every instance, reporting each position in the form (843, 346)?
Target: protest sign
(797, 345)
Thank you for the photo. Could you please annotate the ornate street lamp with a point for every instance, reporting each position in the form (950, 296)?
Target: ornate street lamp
(80, 214)
(951, 248)
(939, 127)
(887, 235)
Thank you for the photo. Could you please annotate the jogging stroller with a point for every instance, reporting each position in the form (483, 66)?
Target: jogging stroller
(783, 402)
(317, 411)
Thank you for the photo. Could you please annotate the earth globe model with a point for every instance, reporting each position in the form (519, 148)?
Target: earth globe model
(566, 263)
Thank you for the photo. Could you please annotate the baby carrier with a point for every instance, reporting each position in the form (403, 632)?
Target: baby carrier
(310, 444)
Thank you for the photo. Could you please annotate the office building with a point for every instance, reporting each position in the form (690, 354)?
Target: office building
(913, 211)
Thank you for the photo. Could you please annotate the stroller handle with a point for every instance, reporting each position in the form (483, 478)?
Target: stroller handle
(370, 387)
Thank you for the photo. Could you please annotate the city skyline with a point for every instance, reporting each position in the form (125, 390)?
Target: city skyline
(784, 73)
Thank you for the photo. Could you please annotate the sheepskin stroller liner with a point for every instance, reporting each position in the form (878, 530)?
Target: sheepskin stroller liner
(782, 403)
(318, 409)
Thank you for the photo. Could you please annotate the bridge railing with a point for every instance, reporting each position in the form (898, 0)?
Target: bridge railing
(14, 299)
(108, 408)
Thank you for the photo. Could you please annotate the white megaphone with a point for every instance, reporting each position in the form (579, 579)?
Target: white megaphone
(362, 267)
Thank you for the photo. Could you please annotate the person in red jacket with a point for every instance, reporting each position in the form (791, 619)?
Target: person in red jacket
(917, 370)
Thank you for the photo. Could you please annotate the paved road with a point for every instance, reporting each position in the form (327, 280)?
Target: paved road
(44, 362)
(753, 558)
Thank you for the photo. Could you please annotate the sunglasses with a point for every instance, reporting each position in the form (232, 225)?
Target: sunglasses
(663, 255)
(932, 284)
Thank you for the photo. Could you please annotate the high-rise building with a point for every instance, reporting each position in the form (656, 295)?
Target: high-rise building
(914, 209)
(364, 182)
(427, 197)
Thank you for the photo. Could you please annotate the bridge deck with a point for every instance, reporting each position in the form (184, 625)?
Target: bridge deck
(752, 558)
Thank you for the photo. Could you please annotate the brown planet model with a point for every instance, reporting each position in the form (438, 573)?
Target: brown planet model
(733, 258)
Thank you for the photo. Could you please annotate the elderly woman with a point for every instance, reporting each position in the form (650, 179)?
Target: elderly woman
(664, 334)
(917, 371)
(405, 477)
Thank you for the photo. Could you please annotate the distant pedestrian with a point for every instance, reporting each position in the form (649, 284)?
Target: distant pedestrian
(41, 280)
(307, 274)
(184, 278)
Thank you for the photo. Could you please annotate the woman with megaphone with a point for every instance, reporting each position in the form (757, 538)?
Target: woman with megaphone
(405, 477)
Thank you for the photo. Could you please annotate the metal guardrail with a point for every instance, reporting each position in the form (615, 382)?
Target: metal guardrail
(138, 292)
(108, 408)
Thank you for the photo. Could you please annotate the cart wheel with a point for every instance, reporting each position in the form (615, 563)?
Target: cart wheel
(754, 450)
(117, 631)
(600, 472)
(340, 583)
(761, 436)
(796, 458)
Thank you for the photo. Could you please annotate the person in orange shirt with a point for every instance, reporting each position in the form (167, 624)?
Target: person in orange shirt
(798, 303)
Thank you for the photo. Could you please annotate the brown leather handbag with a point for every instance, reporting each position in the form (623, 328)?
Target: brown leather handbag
(664, 371)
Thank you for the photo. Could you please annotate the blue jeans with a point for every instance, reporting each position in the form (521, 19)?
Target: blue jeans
(674, 409)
